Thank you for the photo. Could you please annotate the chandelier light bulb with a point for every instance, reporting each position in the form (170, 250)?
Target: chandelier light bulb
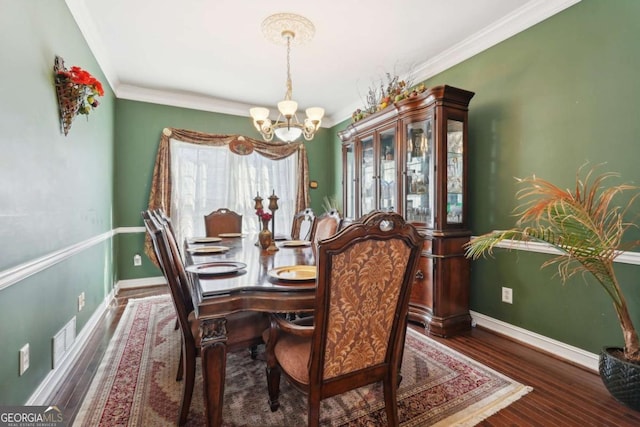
(315, 113)
(259, 113)
(287, 108)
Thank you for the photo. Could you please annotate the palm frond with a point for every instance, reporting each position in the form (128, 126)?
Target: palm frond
(586, 226)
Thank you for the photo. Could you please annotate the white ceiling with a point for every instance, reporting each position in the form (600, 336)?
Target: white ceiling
(211, 54)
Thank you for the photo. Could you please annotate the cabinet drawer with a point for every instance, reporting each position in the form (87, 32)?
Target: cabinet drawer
(422, 290)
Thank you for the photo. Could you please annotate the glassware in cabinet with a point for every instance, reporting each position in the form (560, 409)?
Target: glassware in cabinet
(367, 176)
(418, 192)
(387, 171)
(455, 171)
(349, 181)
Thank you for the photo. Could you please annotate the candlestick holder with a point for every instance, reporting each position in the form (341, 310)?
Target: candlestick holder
(273, 207)
(258, 207)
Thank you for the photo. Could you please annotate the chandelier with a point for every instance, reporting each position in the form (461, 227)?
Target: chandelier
(286, 28)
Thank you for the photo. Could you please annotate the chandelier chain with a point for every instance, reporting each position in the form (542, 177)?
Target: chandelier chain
(289, 91)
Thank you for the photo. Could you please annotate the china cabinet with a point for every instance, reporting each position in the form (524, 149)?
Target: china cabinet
(411, 158)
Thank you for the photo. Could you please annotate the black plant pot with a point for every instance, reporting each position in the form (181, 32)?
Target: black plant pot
(622, 378)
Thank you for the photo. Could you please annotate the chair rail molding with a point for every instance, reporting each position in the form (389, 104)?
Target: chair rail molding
(625, 257)
(20, 272)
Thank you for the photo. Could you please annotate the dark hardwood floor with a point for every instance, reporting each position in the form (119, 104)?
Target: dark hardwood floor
(563, 394)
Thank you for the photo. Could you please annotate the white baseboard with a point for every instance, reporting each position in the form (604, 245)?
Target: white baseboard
(140, 283)
(571, 354)
(42, 395)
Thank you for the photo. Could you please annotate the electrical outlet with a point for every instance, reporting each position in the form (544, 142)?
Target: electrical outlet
(507, 295)
(81, 301)
(137, 260)
(24, 358)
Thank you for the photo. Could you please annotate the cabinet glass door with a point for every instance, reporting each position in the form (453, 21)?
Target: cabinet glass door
(455, 171)
(367, 177)
(349, 184)
(387, 171)
(419, 173)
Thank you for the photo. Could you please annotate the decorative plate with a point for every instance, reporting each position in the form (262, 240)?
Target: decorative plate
(298, 273)
(230, 235)
(208, 250)
(296, 243)
(216, 268)
(205, 240)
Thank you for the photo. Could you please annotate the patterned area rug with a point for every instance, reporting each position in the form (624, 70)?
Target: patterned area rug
(135, 384)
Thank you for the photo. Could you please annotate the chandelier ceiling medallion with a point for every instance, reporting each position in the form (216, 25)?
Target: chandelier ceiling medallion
(287, 29)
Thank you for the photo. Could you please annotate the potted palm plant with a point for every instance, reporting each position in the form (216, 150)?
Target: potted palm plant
(587, 227)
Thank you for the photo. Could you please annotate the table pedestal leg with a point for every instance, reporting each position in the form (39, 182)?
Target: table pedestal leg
(214, 361)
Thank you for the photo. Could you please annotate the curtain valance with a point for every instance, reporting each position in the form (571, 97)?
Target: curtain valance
(160, 193)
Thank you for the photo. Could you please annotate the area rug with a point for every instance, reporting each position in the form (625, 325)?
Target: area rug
(135, 384)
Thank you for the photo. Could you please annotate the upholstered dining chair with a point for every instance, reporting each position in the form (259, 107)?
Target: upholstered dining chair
(222, 220)
(326, 225)
(302, 225)
(363, 286)
(244, 329)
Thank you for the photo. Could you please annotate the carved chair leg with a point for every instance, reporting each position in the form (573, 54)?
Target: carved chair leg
(390, 402)
(189, 381)
(273, 385)
(313, 419)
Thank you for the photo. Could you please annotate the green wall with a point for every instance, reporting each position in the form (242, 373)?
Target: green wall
(547, 100)
(56, 190)
(137, 137)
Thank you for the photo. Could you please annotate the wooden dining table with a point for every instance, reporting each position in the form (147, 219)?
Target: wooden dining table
(252, 288)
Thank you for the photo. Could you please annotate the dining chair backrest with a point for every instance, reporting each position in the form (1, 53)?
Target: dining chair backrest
(163, 221)
(303, 225)
(376, 260)
(324, 226)
(222, 220)
(172, 274)
(166, 220)
(363, 286)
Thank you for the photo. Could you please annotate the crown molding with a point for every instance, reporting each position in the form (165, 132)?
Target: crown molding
(519, 20)
(525, 17)
(85, 23)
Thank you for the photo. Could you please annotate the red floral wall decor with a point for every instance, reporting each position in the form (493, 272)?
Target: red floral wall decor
(77, 92)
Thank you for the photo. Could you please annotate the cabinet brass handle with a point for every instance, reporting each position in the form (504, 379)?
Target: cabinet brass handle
(419, 275)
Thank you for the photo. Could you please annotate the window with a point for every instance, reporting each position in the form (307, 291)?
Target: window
(206, 178)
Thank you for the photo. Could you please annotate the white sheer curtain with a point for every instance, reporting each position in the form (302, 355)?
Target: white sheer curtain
(206, 178)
